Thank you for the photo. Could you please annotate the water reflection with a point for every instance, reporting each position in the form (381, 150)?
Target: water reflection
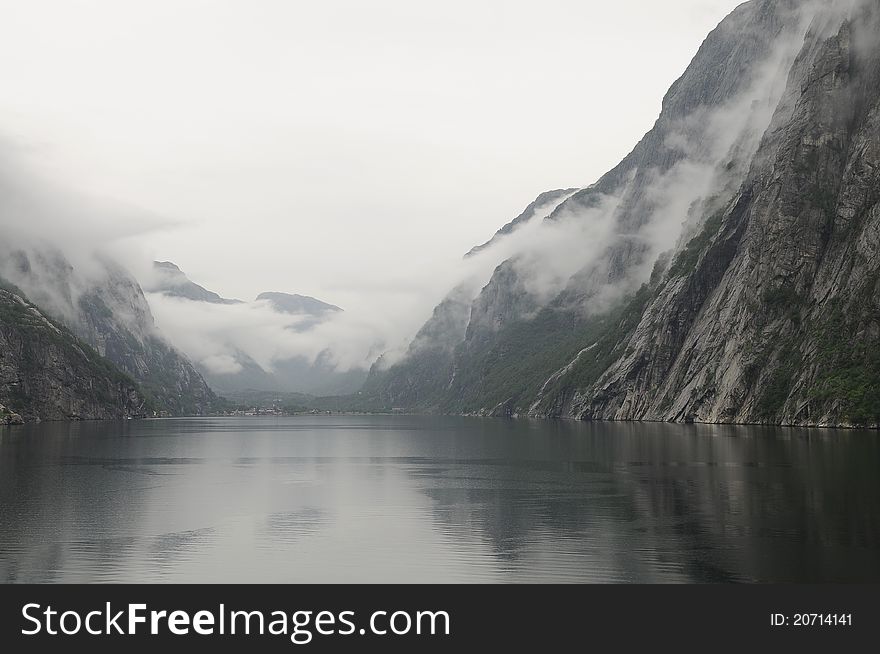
(436, 499)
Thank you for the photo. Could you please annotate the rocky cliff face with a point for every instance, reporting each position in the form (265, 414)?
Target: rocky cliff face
(737, 274)
(105, 308)
(773, 315)
(429, 371)
(46, 373)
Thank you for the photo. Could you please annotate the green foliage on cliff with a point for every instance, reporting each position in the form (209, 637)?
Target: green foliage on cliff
(687, 259)
(511, 370)
(849, 370)
(776, 391)
(612, 332)
(783, 300)
(515, 362)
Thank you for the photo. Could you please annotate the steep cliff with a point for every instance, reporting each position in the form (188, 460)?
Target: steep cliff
(104, 307)
(726, 271)
(46, 373)
(773, 313)
(429, 370)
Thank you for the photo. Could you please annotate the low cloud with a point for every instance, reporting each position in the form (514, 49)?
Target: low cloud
(385, 309)
(217, 335)
(39, 212)
(713, 146)
(657, 211)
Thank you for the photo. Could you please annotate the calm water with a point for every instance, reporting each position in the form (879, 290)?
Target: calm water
(407, 499)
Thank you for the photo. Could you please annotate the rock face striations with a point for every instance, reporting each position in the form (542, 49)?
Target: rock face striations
(47, 373)
(102, 312)
(729, 267)
(772, 313)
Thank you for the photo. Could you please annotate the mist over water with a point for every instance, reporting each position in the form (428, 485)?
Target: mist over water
(413, 499)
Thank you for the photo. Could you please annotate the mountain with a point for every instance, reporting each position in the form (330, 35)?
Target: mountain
(298, 304)
(311, 312)
(772, 313)
(47, 373)
(104, 307)
(170, 280)
(293, 375)
(540, 208)
(296, 375)
(729, 267)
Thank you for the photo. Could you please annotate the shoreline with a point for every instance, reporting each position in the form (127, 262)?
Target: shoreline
(328, 414)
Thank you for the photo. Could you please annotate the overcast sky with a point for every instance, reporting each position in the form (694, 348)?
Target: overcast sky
(339, 148)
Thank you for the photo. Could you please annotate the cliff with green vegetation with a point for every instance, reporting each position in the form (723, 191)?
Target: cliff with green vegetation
(106, 310)
(46, 373)
(765, 308)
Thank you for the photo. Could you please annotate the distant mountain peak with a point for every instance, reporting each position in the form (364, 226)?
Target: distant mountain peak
(170, 280)
(297, 304)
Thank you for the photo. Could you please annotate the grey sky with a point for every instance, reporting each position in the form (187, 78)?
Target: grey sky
(344, 149)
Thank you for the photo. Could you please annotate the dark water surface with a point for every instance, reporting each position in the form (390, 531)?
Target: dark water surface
(420, 499)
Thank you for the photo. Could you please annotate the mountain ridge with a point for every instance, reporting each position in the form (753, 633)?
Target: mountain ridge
(107, 310)
(295, 374)
(47, 373)
(297, 304)
(627, 336)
